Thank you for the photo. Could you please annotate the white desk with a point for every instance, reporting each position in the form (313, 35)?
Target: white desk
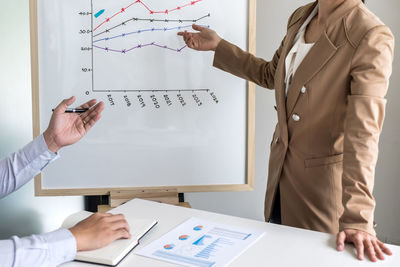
(280, 246)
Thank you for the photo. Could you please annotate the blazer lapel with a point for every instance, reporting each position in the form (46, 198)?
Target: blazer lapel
(319, 55)
(280, 95)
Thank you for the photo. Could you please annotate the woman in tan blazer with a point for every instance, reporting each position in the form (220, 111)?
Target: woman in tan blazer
(330, 76)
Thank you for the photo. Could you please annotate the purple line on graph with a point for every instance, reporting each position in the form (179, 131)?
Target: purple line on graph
(124, 51)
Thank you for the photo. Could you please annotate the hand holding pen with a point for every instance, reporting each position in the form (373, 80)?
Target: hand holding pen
(68, 126)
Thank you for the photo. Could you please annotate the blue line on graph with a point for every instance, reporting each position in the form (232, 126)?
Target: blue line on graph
(98, 14)
(146, 30)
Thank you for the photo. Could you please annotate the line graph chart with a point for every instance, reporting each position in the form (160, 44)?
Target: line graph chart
(138, 36)
(131, 56)
(151, 20)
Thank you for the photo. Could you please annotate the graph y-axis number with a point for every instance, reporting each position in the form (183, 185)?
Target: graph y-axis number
(91, 41)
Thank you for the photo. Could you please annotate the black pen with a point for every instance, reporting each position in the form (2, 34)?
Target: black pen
(75, 110)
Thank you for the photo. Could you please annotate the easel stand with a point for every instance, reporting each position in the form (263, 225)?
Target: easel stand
(167, 196)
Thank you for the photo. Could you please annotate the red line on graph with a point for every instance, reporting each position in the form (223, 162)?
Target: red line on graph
(191, 3)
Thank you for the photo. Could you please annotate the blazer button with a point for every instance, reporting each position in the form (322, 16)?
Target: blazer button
(303, 90)
(276, 140)
(295, 117)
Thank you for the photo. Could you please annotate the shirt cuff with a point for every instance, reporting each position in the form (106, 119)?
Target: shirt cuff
(61, 245)
(39, 154)
(38, 148)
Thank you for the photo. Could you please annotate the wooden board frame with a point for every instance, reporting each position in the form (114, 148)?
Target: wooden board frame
(250, 155)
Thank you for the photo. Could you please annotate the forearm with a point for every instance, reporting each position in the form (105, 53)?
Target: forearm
(364, 121)
(234, 60)
(51, 249)
(20, 167)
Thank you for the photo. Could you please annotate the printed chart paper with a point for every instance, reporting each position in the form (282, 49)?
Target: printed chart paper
(198, 242)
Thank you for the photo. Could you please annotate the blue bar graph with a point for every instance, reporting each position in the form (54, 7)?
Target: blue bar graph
(209, 251)
(183, 259)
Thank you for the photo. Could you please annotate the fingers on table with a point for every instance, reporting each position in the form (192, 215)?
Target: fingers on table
(341, 237)
(384, 248)
(358, 242)
(370, 249)
(378, 250)
(64, 105)
(374, 248)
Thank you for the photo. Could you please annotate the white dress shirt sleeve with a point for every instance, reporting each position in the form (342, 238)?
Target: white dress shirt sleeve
(20, 167)
(49, 249)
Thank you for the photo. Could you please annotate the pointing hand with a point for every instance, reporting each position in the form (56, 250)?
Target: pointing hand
(203, 40)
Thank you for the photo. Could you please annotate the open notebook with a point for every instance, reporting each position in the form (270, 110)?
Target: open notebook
(116, 251)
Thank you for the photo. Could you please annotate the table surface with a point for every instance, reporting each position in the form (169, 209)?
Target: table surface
(280, 245)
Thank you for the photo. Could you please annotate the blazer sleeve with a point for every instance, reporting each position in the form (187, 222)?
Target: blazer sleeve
(370, 72)
(234, 60)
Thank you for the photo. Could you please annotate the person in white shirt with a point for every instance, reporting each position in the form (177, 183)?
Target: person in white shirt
(60, 246)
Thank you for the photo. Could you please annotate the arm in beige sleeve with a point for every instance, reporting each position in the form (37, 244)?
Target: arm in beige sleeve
(234, 60)
(371, 69)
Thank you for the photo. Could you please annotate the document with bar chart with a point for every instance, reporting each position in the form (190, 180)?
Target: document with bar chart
(201, 243)
(169, 117)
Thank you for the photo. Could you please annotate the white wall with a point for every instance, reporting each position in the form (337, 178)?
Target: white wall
(387, 179)
(23, 214)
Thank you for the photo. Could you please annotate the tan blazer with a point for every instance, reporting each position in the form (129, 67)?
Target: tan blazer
(325, 146)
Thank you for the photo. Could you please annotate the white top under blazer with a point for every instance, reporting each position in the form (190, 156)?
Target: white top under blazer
(299, 50)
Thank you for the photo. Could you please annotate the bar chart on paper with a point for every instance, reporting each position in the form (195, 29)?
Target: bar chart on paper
(167, 110)
(212, 245)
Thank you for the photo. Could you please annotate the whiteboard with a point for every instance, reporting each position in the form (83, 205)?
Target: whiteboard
(171, 120)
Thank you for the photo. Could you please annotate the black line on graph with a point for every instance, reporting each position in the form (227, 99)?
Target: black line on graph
(152, 20)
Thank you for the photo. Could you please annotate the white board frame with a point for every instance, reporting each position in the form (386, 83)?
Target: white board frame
(250, 155)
